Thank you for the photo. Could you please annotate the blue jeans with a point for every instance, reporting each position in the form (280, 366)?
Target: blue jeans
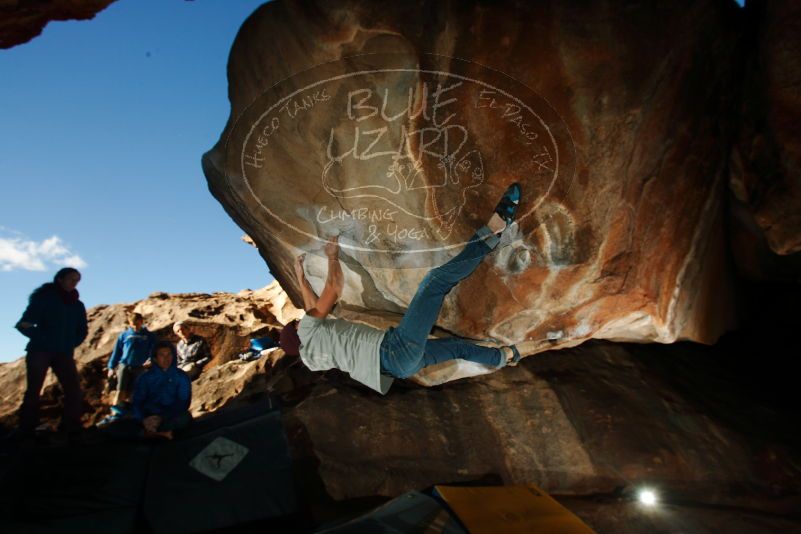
(407, 349)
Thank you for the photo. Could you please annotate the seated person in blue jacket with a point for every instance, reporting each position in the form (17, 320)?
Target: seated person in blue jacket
(162, 395)
(133, 348)
(374, 357)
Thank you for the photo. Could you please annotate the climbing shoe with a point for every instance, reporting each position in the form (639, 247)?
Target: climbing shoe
(507, 207)
(515, 357)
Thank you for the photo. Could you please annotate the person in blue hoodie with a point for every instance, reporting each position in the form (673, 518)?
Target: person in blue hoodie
(162, 395)
(134, 347)
(55, 322)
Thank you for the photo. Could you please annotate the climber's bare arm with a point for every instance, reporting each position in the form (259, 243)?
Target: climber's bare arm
(309, 296)
(334, 283)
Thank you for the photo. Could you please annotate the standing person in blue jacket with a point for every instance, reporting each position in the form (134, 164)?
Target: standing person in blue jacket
(133, 348)
(55, 322)
(162, 395)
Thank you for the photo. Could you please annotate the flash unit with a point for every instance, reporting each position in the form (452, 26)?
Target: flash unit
(647, 497)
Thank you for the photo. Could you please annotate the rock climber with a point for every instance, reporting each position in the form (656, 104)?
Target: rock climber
(375, 357)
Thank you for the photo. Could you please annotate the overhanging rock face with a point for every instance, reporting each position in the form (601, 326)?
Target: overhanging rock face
(398, 127)
(22, 20)
(766, 161)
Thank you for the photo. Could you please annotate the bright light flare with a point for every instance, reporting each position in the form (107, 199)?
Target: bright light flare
(647, 497)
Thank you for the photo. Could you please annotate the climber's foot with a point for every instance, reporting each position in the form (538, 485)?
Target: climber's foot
(506, 210)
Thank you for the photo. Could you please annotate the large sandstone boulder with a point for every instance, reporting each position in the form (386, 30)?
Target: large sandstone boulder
(601, 421)
(398, 127)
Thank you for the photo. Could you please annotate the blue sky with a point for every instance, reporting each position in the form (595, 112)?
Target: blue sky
(102, 126)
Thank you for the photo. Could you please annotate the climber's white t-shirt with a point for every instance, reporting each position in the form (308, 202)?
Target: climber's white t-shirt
(350, 347)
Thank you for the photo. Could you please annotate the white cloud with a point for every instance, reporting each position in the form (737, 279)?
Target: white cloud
(19, 253)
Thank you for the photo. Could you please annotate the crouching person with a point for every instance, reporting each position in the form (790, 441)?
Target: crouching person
(162, 396)
(193, 351)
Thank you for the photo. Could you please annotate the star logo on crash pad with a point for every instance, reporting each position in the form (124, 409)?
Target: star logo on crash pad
(219, 458)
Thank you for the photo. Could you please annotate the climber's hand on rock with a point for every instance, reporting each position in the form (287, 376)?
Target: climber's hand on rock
(299, 274)
(111, 373)
(332, 247)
